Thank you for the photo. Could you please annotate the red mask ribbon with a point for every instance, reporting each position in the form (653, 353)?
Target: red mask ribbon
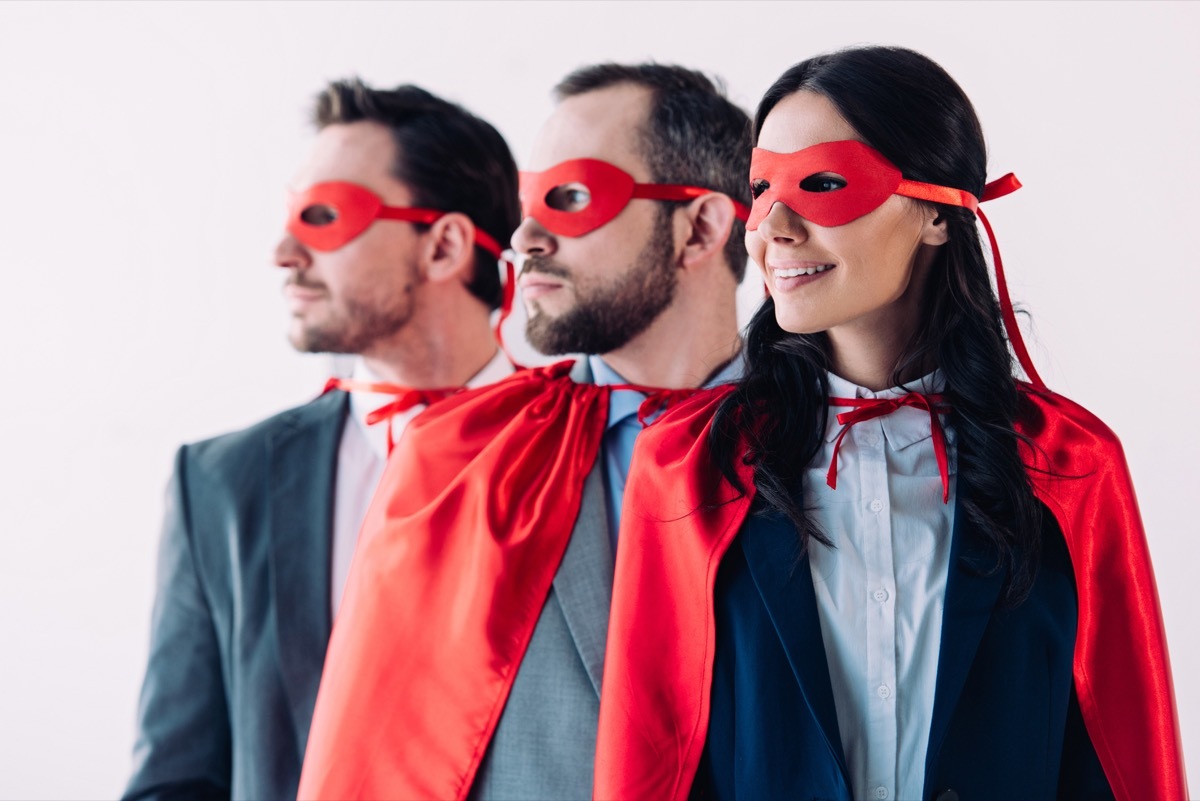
(329, 215)
(656, 400)
(870, 408)
(576, 197)
(406, 398)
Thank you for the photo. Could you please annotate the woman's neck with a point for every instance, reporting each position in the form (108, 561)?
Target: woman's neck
(870, 358)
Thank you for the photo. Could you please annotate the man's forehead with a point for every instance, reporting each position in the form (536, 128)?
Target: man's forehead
(360, 152)
(604, 124)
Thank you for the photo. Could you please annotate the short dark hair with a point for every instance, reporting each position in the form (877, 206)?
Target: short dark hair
(449, 158)
(693, 134)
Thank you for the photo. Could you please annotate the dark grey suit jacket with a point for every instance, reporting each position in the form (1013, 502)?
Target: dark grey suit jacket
(241, 619)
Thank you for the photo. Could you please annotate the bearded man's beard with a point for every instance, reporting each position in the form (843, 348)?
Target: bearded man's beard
(608, 316)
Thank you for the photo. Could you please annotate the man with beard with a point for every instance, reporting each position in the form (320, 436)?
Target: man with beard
(469, 657)
(391, 253)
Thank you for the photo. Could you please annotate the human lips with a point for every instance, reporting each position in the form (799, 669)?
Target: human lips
(301, 295)
(790, 273)
(535, 285)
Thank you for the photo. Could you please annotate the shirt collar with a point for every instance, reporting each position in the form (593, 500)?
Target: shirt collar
(625, 402)
(903, 427)
(363, 403)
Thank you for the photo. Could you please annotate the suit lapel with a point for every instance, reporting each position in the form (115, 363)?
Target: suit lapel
(972, 588)
(301, 464)
(784, 580)
(583, 582)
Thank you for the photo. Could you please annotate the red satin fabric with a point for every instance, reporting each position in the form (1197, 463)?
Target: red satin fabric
(507, 297)
(1122, 672)
(455, 558)
(1006, 307)
(679, 518)
(870, 408)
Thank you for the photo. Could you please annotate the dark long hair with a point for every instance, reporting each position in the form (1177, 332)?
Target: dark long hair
(907, 107)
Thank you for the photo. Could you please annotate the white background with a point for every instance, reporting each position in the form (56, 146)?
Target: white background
(144, 152)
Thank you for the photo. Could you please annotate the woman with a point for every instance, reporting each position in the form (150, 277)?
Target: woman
(894, 571)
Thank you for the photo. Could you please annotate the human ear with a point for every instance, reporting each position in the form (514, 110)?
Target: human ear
(934, 231)
(448, 247)
(709, 220)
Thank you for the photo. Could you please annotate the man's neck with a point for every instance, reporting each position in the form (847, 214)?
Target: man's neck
(448, 360)
(683, 348)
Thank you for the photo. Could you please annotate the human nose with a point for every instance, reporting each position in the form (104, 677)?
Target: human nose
(783, 226)
(531, 239)
(290, 254)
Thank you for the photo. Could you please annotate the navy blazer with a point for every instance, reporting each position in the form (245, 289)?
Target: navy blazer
(1005, 724)
(241, 618)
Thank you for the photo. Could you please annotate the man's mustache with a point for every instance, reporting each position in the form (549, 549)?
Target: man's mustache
(545, 266)
(300, 282)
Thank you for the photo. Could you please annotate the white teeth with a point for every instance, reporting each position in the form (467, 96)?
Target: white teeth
(794, 273)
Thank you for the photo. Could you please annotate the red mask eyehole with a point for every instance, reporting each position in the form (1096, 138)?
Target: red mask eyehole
(319, 214)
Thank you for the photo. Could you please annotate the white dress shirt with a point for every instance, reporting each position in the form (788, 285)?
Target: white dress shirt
(881, 591)
(362, 456)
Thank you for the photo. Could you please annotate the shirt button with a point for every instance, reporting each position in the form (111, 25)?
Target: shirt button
(880, 595)
(876, 505)
(871, 439)
(884, 691)
(881, 792)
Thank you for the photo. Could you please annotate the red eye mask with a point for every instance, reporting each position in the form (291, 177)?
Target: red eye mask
(604, 189)
(329, 215)
(869, 178)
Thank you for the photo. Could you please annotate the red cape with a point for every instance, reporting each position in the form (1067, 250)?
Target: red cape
(455, 558)
(658, 669)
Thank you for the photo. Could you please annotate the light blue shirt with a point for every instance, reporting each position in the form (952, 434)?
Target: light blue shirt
(622, 429)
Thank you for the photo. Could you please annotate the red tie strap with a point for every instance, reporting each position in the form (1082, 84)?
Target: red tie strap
(999, 188)
(657, 398)
(507, 299)
(406, 398)
(870, 408)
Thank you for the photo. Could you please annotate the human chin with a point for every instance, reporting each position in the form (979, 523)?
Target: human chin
(797, 318)
(551, 336)
(309, 337)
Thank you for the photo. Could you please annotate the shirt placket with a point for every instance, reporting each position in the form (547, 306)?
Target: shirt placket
(880, 781)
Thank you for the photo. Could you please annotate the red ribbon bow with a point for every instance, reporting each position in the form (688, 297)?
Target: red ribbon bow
(870, 408)
(406, 398)
(657, 398)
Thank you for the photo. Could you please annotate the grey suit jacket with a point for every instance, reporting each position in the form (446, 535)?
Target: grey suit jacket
(241, 619)
(545, 742)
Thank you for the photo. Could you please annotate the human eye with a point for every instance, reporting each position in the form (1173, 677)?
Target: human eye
(757, 187)
(823, 182)
(569, 197)
(319, 214)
